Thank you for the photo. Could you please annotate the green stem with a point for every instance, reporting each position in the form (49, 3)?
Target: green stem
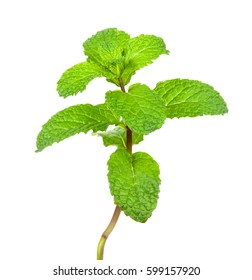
(108, 230)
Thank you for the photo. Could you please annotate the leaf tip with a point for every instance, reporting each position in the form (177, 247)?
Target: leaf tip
(167, 52)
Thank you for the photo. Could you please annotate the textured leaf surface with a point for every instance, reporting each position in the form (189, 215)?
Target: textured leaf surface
(189, 98)
(140, 52)
(76, 78)
(134, 183)
(106, 47)
(141, 108)
(117, 137)
(73, 120)
(121, 55)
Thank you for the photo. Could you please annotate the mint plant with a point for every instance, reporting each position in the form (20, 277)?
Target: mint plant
(134, 112)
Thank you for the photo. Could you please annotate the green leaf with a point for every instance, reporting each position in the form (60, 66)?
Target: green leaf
(189, 98)
(76, 78)
(73, 120)
(141, 108)
(121, 56)
(117, 137)
(140, 52)
(134, 182)
(106, 48)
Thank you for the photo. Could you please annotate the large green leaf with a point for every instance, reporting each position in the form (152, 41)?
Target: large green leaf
(117, 137)
(73, 120)
(141, 108)
(140, 52)
(189, 98)
(76, 78)
(134, 182)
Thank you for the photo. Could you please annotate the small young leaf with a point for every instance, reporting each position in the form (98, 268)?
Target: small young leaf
(76, 78)
(141, 108)
(134, 182)
(106, 48)
(73, 120)
(189, 98)
(140, 52)
(117, 137)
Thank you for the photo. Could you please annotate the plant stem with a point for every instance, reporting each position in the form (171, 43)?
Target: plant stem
(108, 230)
(129, 139)
(128, 130)
(121, 85)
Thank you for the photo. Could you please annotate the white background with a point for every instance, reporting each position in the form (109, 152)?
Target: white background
(54, 205)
